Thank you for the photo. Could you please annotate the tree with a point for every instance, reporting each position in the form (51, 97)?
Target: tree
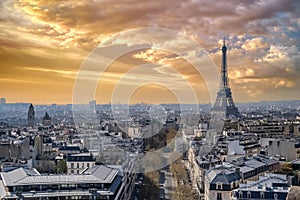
(46, 166)
(62, 167)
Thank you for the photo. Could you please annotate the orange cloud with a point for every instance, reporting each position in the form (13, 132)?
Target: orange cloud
(254, 44)
(44, 41)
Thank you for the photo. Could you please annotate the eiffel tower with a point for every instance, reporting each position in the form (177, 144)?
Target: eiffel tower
(224, 106)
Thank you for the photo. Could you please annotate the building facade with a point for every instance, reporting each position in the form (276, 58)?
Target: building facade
(220, 183)
(270, 186)
(76, 163)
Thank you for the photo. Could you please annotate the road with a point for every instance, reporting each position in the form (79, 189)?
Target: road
(169, 185)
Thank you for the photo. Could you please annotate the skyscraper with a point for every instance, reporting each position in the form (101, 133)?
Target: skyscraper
(224, 105)
(31, 115)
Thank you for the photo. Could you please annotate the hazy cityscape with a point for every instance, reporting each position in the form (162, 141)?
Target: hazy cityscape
(44, 154)
(150, 100)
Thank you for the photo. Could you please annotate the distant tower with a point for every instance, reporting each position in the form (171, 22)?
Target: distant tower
(46, 120)
(2, 101)
(31, 115)
(224, 105)
(92, 105)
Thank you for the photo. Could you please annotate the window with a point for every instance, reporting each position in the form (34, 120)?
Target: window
(72, 165)
(219, 196)
(88, 164)
(77, 165)
(82, 165)
(275, 196)
(249, 195)
(219, 186)
(240, 194)
(262, 195)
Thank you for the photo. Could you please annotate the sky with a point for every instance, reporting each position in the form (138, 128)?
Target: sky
(45, 44)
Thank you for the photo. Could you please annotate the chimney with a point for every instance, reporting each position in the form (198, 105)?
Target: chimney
(237, 169)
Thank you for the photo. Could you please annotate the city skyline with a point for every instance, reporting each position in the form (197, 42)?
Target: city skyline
(43, 45)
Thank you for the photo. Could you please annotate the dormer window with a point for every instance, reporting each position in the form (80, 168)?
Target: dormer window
(262, 195)
(219, 186)
(249, 195)
(240, 194)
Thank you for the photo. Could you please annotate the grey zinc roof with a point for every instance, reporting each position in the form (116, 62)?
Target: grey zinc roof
(226, 177)
(254, 163)
(96, 174)
(222, 175)
(211, 174)
(267, 180)
(221, 178)
(13, 176)
(246, 169)
(267, 160)
(102, 172)
(59, 179)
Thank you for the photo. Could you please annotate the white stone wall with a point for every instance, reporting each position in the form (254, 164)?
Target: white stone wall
(226, 195)
(78, 166)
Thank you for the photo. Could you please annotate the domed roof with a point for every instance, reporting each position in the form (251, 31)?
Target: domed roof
(46, 117)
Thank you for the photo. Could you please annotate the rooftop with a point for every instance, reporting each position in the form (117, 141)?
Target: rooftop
(275, 182)
(223, 174)
(96, 174)
(46, 117)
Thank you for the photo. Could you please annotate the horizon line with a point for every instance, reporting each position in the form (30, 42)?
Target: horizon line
(49, 104)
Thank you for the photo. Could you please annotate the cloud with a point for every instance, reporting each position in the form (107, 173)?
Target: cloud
(154, 56)
(262, 37)
(254, 44)
(72, 22)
